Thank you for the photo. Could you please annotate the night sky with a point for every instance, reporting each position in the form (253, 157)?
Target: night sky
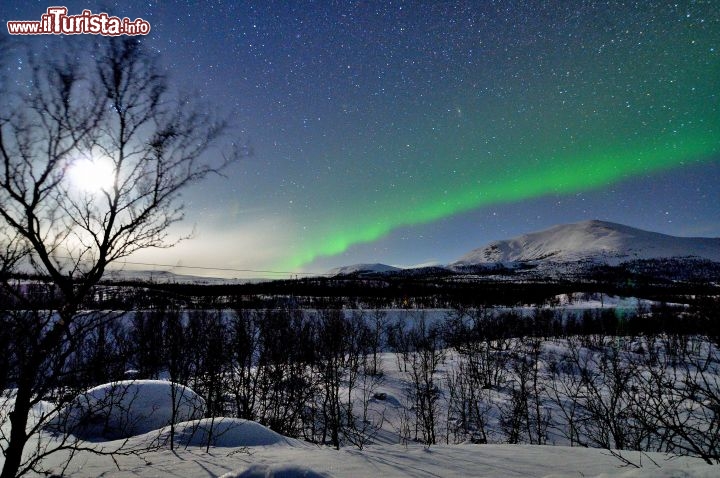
(412, 132)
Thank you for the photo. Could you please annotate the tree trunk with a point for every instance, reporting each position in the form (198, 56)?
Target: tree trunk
(18, 424)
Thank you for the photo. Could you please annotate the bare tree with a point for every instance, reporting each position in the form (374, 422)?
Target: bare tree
(364, 426)
(565, 387)
(680, 396)
(515, 413)
(426, 357)
(244, 338)
(117, 109)
(469, 404)
(378, 325)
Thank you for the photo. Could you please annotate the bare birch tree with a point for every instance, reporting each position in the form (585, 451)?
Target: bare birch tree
(109, 105)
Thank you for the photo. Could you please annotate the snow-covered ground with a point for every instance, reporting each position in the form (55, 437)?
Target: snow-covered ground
(213, 447)
(387, 461)
(248, 449)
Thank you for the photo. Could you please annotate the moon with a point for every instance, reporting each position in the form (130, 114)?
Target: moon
(91, 175)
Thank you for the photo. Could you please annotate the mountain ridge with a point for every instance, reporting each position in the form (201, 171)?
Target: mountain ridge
(602, 241)
(363, 268)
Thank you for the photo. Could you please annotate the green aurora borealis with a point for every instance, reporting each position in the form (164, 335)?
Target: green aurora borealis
(563, 176)
(571, 120)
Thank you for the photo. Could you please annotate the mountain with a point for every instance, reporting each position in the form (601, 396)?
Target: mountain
(592, 240)
(362, 269)
(166, 277)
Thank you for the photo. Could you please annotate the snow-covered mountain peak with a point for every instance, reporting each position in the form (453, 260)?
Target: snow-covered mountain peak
(595, 240)
(362, 268)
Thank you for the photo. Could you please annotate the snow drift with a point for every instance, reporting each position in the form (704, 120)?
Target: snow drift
(225, 432)
(128, 408)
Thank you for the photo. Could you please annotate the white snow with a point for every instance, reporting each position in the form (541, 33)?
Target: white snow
(167, 277)
(359, 268)
(594, 239)
(127, 408)
(239, 448)
(388, 461)
(242, 448)
(223, 432)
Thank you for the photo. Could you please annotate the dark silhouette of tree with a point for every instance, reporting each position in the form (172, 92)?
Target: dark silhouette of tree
(111, 104)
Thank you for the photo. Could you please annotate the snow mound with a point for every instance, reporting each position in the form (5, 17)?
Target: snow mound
(596, 240)
(225, 432)
(275, 471)
(128, 408)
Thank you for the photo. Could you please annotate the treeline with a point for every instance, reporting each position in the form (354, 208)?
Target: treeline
(347, 292)
(404, 291)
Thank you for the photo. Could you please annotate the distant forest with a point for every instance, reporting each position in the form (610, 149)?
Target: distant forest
(660, 281)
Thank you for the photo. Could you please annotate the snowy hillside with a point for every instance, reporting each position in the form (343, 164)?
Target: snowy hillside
(362, 268)
(167, 277)
(599, 240)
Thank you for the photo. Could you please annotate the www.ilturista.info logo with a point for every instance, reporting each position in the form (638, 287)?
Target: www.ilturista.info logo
(57, 22)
